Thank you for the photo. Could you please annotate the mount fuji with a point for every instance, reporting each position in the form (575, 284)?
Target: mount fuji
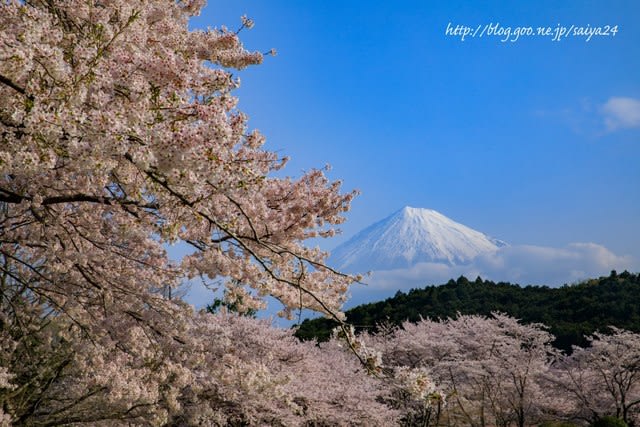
(410, 236)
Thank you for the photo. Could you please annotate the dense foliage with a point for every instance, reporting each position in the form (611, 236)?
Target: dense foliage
(572, 312)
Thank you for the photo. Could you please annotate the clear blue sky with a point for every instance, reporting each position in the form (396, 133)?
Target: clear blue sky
(510, 138)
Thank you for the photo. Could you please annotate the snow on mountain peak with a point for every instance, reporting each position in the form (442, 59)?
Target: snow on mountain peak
(409, 236)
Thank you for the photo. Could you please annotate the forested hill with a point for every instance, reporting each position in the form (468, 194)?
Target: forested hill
(571, 311)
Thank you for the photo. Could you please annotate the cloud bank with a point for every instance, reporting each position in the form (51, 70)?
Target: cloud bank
(522, 264)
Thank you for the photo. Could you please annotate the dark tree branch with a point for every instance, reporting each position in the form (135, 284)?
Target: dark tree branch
(14, 86)
(10, 197)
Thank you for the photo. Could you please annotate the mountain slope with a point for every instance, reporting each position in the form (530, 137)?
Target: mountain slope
(409, 236)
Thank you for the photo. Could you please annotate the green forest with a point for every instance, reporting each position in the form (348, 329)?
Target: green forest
(571, 312)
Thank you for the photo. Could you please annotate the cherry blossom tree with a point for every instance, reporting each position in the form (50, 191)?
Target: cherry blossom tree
(120, 134)
(492, 371)
(603, 379)
(237, 371)
(118, 138)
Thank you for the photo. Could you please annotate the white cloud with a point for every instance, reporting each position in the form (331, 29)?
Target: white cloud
(621, 112)
(595, 119)
(523, 264)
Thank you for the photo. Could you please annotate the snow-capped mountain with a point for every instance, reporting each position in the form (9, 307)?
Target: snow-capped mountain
(409, 236)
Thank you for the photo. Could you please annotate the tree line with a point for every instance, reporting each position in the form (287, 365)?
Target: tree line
(572, 312)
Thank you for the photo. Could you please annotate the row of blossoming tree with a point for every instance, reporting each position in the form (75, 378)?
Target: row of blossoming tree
(235, 370)
(499, 372)
(120, 134)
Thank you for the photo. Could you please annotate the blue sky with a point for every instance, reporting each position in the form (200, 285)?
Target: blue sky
(534, 142)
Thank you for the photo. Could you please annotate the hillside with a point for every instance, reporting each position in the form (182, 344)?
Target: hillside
(571, 311)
